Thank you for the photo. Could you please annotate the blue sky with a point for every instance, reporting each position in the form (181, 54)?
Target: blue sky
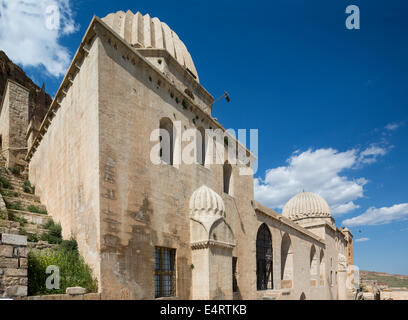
(330, 103)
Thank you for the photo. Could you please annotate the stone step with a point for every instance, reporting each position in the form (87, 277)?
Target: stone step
(34, 229)
(23, 198)
(27, 196)
(14, 183)
(24, 204)
(34, 218)
(10, 227)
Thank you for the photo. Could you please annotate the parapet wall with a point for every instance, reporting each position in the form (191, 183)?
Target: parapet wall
(87, 296)
(13, 266)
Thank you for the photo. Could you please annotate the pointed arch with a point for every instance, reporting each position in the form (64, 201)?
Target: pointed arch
(314, 264)
(264, 255)
(201, 146)
(227, 174)
(286, 262)
(322, 268)
(167, 141)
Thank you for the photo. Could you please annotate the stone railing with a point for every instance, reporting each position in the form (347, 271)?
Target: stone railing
(13, 266)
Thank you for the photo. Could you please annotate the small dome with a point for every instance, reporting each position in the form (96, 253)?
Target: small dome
(205, 201)
(145, 32)
(306, 205)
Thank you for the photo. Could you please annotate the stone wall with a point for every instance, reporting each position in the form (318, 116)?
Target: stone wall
(13, 266)
(65, 167)
(13, 123)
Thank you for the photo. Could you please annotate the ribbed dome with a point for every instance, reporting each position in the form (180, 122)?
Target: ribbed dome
(145, 32)
(306, 205)
(205, 201)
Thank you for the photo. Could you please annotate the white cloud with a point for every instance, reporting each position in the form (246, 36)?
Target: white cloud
(393, 126)
(320, 171)
(362, 239)
(371, 154)
(30, 31)
(376, 216)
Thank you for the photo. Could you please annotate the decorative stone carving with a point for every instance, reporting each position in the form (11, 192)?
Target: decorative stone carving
(342, 263)
(212, 241)
(208, 225)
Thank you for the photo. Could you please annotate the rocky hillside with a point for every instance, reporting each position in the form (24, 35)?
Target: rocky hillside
(39, 99)
(392, 280)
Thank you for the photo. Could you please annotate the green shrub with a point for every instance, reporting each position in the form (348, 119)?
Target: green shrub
(9, 193)
(69, 245)
(22, 231)
(27, 187)
(14, 206)
(15, 171)
(73, 271)
(53, 234)
(3, 215)
(35, 209)
(32, 237)
(4, 183)
(12, 217)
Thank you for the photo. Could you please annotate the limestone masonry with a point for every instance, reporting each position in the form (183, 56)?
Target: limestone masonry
(167, 231)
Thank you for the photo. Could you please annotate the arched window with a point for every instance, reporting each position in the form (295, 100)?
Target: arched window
(322, 268)
(166, 140)
(201, 146)
(313, 266)
(264, 277)
(227, 173)
(286, 262)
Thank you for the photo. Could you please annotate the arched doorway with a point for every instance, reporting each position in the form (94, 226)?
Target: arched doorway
(264, 266)
(302, 296)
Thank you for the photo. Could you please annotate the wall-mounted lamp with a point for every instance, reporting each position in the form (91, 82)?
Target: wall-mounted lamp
(225, 95)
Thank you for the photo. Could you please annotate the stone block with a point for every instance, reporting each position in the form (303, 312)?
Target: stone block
(6, 251)
(15, 272)
(21, 252)
(23, 263)
(92, 296)
(72, 297)
(15, 291)
(75, 290)
(13, 239)
(8, 262)
(51, 297)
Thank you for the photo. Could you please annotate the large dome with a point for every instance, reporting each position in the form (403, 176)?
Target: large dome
(306, 205)
(145, 32)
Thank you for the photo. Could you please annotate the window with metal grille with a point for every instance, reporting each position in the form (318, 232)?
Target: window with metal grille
(164, 273)
(264, 275)
(234, 274)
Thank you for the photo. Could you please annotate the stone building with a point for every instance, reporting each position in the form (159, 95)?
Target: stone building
(168, 230)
